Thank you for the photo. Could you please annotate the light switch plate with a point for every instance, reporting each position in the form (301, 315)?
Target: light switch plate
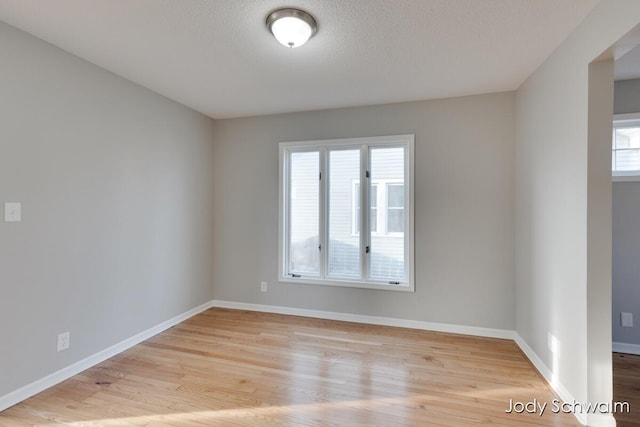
(12, 212)
(626, 320)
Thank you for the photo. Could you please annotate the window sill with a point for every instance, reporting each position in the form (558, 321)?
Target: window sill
(625, 178)
(392, 234)
(349, 284)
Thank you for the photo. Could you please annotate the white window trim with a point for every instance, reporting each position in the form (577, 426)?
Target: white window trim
(379, 141)
(619, 120)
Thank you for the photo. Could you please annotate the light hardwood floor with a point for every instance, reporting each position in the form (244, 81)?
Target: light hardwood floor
(229, 367)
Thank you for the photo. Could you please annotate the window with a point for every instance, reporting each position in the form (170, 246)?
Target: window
(324, 210)
(625, 155)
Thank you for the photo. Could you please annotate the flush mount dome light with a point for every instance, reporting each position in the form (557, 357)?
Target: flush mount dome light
(291, 27)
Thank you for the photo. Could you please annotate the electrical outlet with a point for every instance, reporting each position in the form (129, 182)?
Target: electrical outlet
(12, 212)
(626, 320)
(64, 341)
(263, 286)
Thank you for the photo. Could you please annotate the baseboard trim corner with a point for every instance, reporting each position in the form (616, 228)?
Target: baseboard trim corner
(63, 374)
(559, 388)
(623, 347)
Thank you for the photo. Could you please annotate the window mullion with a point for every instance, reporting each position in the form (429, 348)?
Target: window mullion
(288, 215)
(365, 209)
(408, 216)
(323, 206)
(383, 212)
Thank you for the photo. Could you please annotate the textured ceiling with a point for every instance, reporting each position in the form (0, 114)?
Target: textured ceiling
(217, 57)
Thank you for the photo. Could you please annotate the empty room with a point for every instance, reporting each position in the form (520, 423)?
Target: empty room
(316, 212)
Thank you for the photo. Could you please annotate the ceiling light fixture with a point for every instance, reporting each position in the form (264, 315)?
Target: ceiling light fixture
(291, 27)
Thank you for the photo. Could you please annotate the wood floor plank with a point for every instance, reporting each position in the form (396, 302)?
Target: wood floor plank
(626, 387)
(241, 368)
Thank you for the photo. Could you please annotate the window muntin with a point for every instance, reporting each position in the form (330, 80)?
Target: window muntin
(379, 258)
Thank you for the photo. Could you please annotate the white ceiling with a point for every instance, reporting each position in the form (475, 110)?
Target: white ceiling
(217, 57)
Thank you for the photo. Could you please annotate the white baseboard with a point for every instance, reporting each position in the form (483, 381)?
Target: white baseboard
(623, 347)
(548, 375)
(372, 320)
(602, 420)
(42, 384)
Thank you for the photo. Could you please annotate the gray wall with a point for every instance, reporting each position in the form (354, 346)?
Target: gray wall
(116, 185)
(626, 232)
(626, 256)
(627, 96)
(563, 207)
(464, 195)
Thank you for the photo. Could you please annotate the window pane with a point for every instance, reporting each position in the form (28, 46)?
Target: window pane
(395, 195)
(395, 220)
(304, 256)
(626, 149)
(387, 251)
(628, 160)
(395, 208)
(344, 246)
